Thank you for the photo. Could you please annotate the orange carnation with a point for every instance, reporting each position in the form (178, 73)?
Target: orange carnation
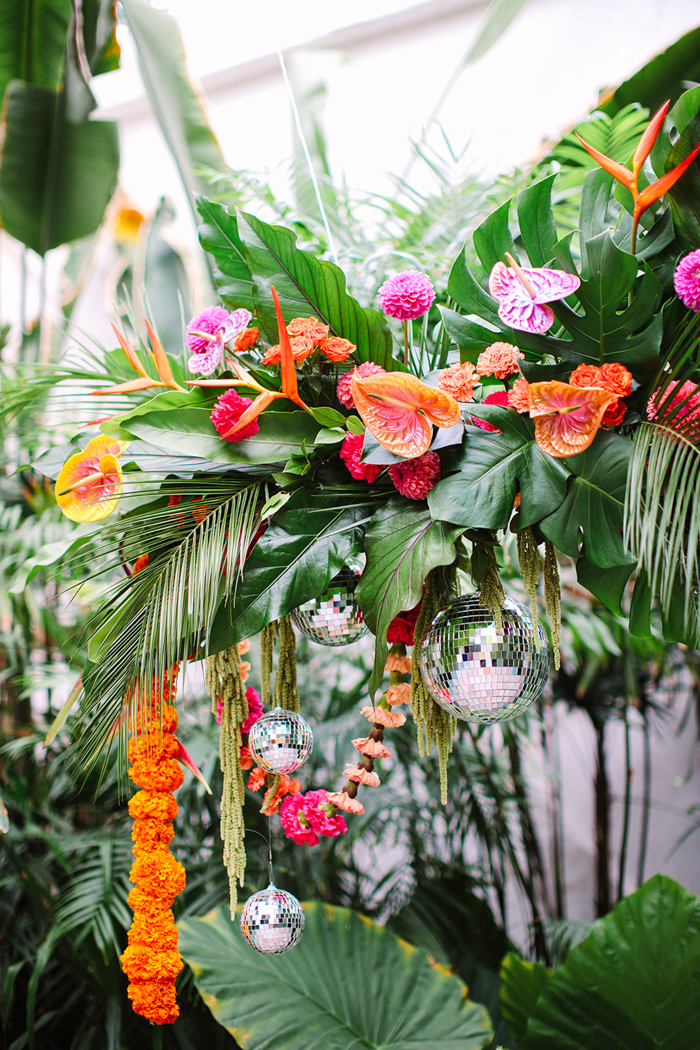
(396, 662)
(382, 717)
(499, 360)
(399, 694)
(342, 800)
(459, 380)
(517, 396)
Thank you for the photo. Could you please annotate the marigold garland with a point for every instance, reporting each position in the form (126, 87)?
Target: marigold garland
(151, 961)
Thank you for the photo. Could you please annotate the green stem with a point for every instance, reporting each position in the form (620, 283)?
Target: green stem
(646, 806)
(157, 1038)
(405, 342)
(626, 815)
(633, 249)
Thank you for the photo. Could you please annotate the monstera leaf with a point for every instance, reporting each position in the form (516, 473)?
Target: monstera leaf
(348, 983)
(633, 984)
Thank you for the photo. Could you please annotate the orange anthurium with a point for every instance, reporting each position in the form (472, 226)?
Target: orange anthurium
(290, 388)
(399, 411)
(144, 381)
(90, 481)
(628, 178)
(566, 417)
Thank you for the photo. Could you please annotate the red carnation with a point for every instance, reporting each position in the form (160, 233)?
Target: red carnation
(402, 627)
(350, 453)
(500, 397)
(227, 411)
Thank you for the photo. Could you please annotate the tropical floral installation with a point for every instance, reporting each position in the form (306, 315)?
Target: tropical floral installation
(551, 391)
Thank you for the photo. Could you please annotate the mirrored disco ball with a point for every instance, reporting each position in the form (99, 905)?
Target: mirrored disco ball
(280, 741)
(272, 921)
(334, 618)
(480, 675)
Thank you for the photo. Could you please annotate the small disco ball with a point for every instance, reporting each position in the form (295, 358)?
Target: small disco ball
(272, 921)
(333, 618)
(480, 675)
(280, 741)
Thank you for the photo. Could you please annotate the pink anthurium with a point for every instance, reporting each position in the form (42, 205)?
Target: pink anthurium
(399, 410)
(522, 294)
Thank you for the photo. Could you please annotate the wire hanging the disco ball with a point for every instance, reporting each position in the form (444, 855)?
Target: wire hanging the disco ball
(478, 674)
(280, 741)
(334, 618)
(272, 921)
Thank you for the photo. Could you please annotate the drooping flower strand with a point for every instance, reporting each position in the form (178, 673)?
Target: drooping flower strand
(492, 595)
(552, 598)
(286, 691)
(434, 725)
(223, 679)
(268, 637)
(530, 567)
(151, 961)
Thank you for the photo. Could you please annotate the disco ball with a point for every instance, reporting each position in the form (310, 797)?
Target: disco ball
(280, 741)
(480, 675)
(333, 618)
(272, 921)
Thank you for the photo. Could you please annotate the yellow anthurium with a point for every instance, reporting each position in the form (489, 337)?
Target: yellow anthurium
(89, 484)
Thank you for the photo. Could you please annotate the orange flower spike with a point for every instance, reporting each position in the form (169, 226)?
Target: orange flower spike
(161, 358)
(399, 410)
(648, 139)
(623, 175)
(657, 189)
(131, 355)
(290, 388)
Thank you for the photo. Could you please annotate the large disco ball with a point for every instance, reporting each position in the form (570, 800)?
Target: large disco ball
(280, 741)
(272, 921)
(334, 618)
(480, 675)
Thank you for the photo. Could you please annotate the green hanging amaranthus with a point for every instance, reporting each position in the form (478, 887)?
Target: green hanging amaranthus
(552, 597)
(285, 693)
(530, 562)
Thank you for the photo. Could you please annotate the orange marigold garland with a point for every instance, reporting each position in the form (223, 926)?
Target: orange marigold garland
(151, 961)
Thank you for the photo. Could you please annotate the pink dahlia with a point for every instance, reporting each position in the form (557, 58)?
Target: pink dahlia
(208, 332)
(316, 806)
(416, 477)
(255, 709)
(687, 280)
(227, 411)
(294, 821)
(343, 393)
(407, 295)
(499, 398)
(690, 412)
(350, 453)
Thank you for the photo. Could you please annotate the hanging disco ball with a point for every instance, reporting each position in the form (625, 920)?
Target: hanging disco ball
(476, 673)
(334, 618)
(280, 741)
(272, 921)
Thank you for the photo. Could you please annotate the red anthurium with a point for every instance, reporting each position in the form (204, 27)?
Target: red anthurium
(566, 417)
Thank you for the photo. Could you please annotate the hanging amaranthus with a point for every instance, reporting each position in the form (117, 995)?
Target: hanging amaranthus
(268, 637)
(286, 692)
(151, 961)
(492, 595)
(552, 597)
(434, 725)
(224, 682)
(530, 567)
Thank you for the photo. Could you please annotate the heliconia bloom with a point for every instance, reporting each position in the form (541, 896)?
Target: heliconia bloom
(343, 801)
(186, 759)
(371, 748)
(686, 280)
(416, 477)
(499, 360)
(227, 411)
(499, 397)
(407, 295)
(359, 775)
(566, 417)
(350, 452)
(459, 380)
(517, 396)
(209, 332)
(343, 392)
(140, 563)
(398, 663)
(399, 411)
(382, 717)
(89, 483)
(337, 349)
(399, 694)
(315, 811)
(522, 293)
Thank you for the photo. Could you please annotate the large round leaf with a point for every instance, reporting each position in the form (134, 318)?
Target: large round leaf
(349, 983)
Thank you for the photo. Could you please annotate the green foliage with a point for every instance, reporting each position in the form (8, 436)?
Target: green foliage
(633, 983)
(348, 980)
(670, 149)
(218, 234)
(32, 48)
(662, 78)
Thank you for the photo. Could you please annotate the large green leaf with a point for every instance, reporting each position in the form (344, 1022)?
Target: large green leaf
(307, 287)
(307, 544)
(522, 984)
(348, 983)
(219, 235)
(488, 470)
(661, 78)
(536, 221)
(403, 543)
(56, 177)
(592, 511)
(633, 984)
(33, 42)
(607, 585)
(685, 205)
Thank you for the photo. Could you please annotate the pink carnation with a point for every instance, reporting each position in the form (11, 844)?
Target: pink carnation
(500, 397)
(407, 295)
(227, 411)
(294, 822)
(343, 392)
(318, 817)
(350, 453)
(255, 709)
(687, 280)
(416, 477)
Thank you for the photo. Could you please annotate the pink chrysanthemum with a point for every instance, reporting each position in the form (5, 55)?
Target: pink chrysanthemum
(407, 295)
(318, 818)
(295, 823)
(227, 411)
(517, 396)
(342, 800)
(500, 397)
(255, 709)
(416, 477)
(350, 453)
(687, 280)
(343, 392)
(360, 775)
(499, 360)
(459, 380)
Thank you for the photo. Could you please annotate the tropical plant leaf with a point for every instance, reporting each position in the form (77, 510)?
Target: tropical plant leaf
(607, 585)
(308, 287)
(489, 468)
(632, 983)
(395, 999)
(536, 220)
(684, 194)
(592, 510)
(661, 78)
(32, 48)
(522, 984)
(219, 235)
(305, 546)
(403, 543)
